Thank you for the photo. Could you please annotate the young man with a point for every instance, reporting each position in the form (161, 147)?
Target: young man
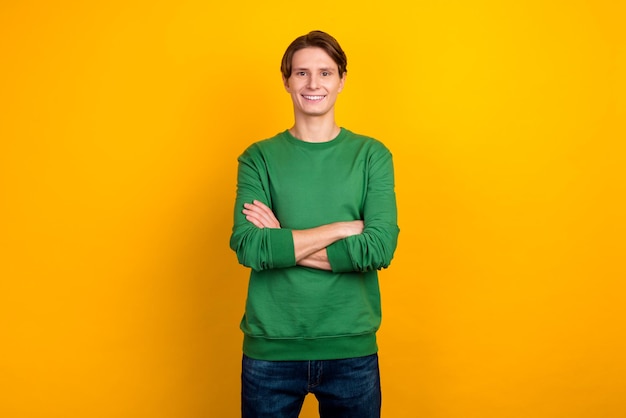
(315, 218)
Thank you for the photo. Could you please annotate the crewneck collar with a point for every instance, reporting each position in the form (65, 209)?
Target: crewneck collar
(342, 134)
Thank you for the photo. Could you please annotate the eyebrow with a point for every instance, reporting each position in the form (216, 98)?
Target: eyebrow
(318, 69)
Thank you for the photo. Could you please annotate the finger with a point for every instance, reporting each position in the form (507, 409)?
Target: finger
(263, 208)
(255, 222)
(268, 212)
(259, 217)
(258, 213)
(260, 204)
(263, 213)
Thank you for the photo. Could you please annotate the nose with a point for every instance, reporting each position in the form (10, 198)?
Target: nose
(313, 81)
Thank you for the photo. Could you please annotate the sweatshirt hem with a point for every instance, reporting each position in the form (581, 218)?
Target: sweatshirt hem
(295, 349)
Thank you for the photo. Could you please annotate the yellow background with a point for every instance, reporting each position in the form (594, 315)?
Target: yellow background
(120, 124)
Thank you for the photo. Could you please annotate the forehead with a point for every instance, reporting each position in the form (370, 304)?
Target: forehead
(312, 57)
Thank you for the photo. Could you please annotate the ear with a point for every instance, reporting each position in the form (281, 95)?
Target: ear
(342, 81)
(286, 83)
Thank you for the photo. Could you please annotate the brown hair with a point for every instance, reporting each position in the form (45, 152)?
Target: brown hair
(316, 39)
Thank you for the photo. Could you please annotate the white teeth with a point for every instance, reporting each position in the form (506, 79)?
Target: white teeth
(314, 97)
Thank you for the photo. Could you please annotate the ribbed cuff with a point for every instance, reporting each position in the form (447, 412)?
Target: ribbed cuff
(281, 247)
(339, 257)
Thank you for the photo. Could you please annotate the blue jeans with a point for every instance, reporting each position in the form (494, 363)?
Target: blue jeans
(344, 388)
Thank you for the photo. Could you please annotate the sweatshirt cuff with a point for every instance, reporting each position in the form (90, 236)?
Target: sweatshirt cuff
(281, 247)
(339, 257)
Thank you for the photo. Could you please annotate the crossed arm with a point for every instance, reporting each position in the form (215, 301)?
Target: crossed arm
(309, 244)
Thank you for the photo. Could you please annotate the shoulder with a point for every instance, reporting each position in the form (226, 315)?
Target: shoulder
(371, 144)
(258, 148)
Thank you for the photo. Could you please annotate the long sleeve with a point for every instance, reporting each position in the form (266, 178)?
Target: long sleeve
(374, 248)
(257, 248)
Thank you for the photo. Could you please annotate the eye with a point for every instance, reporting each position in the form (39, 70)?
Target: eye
(300, 73)
(325, 73)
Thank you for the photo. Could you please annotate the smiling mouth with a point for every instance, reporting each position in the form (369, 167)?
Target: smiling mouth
(313, 98)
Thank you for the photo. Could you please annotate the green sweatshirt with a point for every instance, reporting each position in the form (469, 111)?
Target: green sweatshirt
(301, 313)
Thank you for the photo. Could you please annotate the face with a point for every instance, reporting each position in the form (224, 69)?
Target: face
(314, 83)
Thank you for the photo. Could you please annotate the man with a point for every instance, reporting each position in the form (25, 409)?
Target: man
(315, 218)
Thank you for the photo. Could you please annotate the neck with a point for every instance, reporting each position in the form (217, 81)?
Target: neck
(314, 130)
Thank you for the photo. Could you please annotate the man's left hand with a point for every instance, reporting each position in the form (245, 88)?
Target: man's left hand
(260, 215)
